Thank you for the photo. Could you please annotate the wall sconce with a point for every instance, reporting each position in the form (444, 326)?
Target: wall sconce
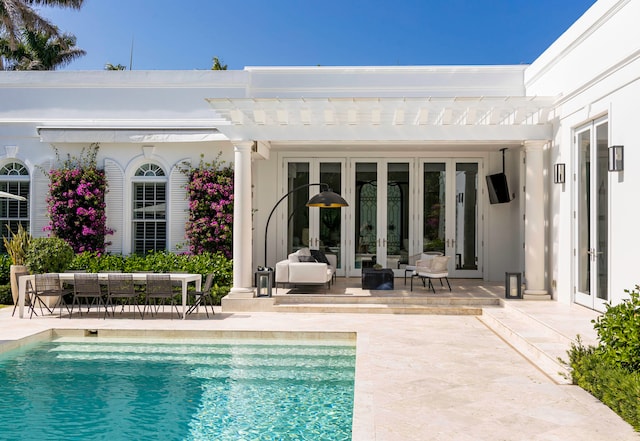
(558, 173)
(616, 158)
(513, 286)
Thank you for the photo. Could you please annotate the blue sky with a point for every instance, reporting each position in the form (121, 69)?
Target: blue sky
(188, 34)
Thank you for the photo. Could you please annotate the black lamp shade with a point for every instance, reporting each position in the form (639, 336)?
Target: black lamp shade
(327, 199)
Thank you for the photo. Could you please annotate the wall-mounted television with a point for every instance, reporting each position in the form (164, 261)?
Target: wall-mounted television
(498, 188)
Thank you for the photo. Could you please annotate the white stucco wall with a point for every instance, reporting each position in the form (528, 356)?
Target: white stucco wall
(594, 70)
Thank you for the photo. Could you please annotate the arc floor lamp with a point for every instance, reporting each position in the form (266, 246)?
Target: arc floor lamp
(324, 199)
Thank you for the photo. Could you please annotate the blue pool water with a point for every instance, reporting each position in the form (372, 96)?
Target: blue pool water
(106, 390)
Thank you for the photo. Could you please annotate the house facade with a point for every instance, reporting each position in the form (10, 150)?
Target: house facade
(503, 168)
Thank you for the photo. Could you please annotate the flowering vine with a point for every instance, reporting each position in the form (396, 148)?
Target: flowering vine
(76, 204)
(210, 224)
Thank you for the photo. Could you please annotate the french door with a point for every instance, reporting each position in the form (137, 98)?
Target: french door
(449, 221)
(315, 228)
(381, 197)
(592, 215)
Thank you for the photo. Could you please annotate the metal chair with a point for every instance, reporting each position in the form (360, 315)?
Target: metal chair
(120, 288)
(48, 285)
(86, 286)
(160, 288)
(204, 297)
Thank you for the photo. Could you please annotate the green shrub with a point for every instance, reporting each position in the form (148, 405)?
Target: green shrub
(610, 371)
(615, 386)
(5, 295)
(49, 255)
(163, 262)
(5, 263)
(619, 332)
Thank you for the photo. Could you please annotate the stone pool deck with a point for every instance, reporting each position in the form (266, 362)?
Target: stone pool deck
(429, 377)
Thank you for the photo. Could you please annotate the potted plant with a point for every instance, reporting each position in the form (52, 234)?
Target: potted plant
(17, 246)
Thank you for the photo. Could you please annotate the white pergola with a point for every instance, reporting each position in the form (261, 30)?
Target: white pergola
(255, 124)
(431, 119)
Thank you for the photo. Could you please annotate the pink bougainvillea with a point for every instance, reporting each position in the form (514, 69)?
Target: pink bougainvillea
(210, 224)
(76, 204)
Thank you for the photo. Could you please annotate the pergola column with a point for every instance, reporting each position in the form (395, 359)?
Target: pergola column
(242, 251)
(535, 237)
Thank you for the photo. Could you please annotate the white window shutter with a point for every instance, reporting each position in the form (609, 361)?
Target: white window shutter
(178, 212)
(114, 201)
(39, 193)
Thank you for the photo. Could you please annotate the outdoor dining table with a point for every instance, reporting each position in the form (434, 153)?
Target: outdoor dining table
(138, 278)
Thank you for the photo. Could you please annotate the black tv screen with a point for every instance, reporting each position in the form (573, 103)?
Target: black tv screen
(498, 188)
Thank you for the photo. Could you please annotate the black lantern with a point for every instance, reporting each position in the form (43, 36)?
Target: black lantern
(513, 286)
(264, 280)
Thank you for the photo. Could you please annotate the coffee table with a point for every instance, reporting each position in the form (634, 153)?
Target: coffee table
(379, 279)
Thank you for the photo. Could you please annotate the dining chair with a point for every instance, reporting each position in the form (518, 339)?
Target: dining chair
(46, 286)
(159, 288)
(204, 297)
(120, 288)
(86, 286)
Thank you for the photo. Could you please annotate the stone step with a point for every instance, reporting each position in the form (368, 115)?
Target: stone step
(384, 300)
(378, 308)
(538, 342)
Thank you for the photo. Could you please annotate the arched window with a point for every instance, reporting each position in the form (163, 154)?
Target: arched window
(14, 179)
(149, 209)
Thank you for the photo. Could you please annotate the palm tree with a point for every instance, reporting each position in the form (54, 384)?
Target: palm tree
(36, 50)
(217, 64)
(110, 66)
(16, 15)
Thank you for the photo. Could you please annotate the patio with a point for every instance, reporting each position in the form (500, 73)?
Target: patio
(467, 297)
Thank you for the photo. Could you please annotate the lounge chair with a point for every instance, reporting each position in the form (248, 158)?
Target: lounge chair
(436, 267)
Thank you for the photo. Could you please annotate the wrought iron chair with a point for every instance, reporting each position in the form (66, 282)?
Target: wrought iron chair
(160, 288)
(46, 286)
(204, 297)
(86, 286)
(120, 288)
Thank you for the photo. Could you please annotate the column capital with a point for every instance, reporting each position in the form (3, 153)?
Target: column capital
(533, 145)
(242, 146)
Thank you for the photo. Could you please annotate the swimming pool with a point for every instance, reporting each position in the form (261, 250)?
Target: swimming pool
(117, 389)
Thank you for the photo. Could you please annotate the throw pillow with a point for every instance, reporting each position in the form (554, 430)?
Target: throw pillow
(319, 256)
(306, 259)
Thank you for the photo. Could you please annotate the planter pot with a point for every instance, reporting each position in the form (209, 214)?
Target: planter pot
(13, 269)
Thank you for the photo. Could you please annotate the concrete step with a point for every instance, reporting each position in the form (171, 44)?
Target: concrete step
(379, 308)
(537, 341)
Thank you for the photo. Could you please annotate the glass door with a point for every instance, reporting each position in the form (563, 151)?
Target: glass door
(381, 212)
(314, 228)
(449, 221)
(592, 215)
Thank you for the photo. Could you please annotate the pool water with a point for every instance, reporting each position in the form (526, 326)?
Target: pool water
(106, 390)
